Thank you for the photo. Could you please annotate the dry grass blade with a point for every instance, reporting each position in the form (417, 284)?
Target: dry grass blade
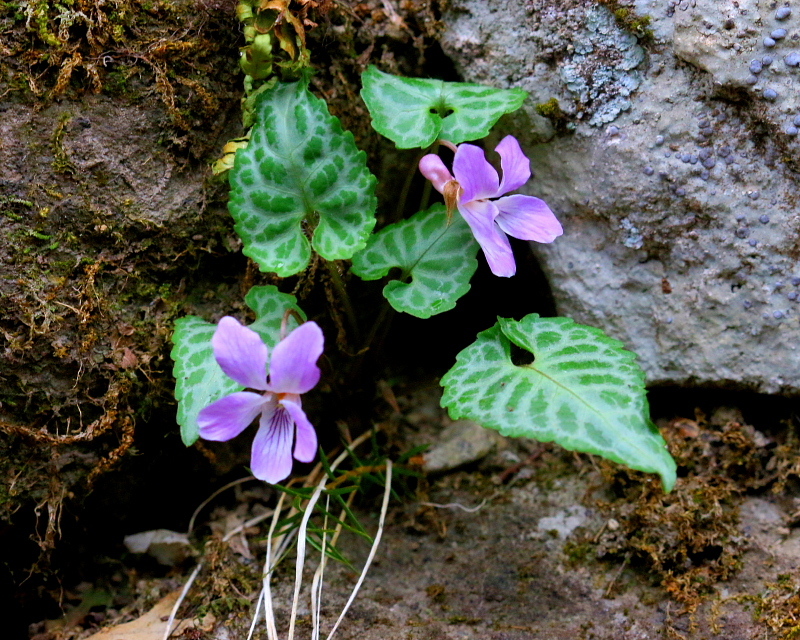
(373, 550)
(174, 612)
(316, 583)
(266, 590)
(301, 552)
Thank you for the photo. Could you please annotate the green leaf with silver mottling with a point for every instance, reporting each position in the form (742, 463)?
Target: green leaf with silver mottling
(300, 174)
(199, 380)
(572, 385)
(439, 259)
(414, 112)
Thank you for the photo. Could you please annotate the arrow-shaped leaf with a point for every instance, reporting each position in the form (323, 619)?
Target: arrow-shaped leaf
(582, 390)
(439, 259)
(301, 174)
(414, 112)
(199, 381)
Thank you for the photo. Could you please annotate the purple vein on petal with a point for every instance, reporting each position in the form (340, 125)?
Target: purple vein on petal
(271, 457)
(305, 446)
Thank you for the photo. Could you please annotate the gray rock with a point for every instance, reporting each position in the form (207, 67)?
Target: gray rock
(658, 260)
(462, 442)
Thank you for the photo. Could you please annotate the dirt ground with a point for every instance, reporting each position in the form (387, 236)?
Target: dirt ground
(528, 542)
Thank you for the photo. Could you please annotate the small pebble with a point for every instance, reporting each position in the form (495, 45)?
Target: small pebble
(777, 315)
(613, 130)
(763, 219)
(709, 163)
(680, 191)
(740, 217)
(747, 304)
(796, 121)
(792, 295)
(793, 59)
(751, 80)
(649, 171)
(791, 130)
(778, 34)
(756, 66)
(754, 195)
(724, 152)
(796, 281)
(659, 140)
(667, 154)
(778, 285)
(704, 175)
(742, 232)
(769, 42)
(722, 117)
(704, 153)
(766, 60)
(737, 46)
(782, 13)
(771, 94)
(703, 123)
(693, 159)
(752, 242)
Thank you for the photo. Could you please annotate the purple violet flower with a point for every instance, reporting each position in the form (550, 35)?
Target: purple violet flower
(475, 182)
(242, 355)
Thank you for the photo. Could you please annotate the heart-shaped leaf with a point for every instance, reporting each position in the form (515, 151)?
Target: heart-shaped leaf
(300, 175)
(437, 258)
(414, 112)
(199, 380)
(573, 385)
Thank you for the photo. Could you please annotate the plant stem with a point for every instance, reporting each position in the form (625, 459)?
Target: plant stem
(401, 201)
(338, 283)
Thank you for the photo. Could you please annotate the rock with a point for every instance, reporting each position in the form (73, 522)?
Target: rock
(462, 442)
(667, 162)
(565, 522)
(167, 547)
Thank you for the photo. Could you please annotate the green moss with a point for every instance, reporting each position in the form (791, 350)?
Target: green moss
(553, 112)
(628, 19)
(61, 161)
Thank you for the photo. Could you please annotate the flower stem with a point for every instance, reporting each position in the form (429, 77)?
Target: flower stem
(341, 289)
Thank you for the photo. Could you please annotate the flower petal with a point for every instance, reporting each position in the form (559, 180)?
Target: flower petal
(480, 218)
(271, 456)
(527, 218)
(229, 416)
(305, 443)
(240, 353)
(476, 176)
(293, 368)
(515, 164)
(432, 167)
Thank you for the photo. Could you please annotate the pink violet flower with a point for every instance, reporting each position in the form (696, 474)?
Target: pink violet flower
(471, 191)
(242, 355)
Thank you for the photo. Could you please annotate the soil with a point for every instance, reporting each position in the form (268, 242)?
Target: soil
(529, 542)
